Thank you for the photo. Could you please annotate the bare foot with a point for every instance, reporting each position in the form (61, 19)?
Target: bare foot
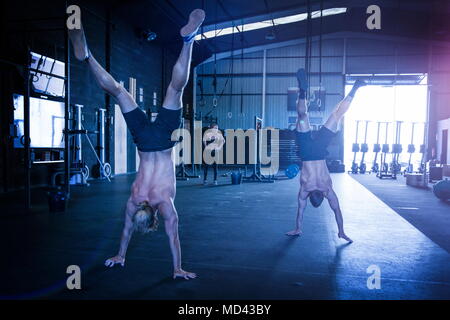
(195, 21)
(184, 274)
(295, 232)
(80, 48)
(115, 260)
(344, 236)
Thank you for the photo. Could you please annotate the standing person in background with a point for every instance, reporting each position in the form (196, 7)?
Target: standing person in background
(213, 142)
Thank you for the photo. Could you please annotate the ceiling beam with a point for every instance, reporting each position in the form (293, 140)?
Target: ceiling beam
(330, 36)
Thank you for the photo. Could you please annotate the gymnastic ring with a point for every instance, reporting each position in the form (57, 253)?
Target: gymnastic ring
(106, 169)
(22, 140)
(319, 102)
(85, 172)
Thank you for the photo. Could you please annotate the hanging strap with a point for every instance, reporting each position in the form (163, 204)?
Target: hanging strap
(320, 44)
(215, 61)
(308, 46)
(242, 68)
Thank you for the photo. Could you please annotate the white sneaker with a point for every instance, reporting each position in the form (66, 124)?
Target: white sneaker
(215, 182)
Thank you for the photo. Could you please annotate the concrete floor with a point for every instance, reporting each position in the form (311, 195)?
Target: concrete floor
(233, 237)
(418, 206)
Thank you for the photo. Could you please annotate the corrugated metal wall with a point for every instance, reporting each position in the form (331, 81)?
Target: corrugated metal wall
(439, 80)
(240, 78)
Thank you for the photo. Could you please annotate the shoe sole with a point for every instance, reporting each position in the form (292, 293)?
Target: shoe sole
(196, 19)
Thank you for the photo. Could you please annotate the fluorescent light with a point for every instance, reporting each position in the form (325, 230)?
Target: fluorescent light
(268, 23)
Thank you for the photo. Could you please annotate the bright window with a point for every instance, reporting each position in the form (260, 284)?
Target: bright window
(242, 27)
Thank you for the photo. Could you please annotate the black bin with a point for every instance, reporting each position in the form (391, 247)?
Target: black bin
(236, 178)
(436, 173)
(57, 201)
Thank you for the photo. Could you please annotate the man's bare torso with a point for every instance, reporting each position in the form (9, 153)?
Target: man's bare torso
(315, 176)
(155, 180)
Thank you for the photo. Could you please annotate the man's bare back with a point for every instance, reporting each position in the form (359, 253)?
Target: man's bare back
(315, 176)
(155, 180)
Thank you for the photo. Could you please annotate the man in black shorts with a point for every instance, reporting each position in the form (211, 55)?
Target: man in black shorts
(153, 191)
(315, 180)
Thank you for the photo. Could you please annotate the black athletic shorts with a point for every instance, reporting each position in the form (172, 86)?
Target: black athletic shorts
(313, 145)
(153, 136)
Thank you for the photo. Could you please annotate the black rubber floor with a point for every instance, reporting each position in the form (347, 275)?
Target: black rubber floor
(419, 206)
(233, 237)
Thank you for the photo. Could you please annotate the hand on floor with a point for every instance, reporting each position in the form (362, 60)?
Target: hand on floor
(344, 236)
(115, 260)
(184, 274)
(295, 232)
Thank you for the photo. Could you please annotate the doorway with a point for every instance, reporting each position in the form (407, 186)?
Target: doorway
(387, 99)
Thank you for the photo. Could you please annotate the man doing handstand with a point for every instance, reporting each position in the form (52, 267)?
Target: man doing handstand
(153, 191)
(315, 180)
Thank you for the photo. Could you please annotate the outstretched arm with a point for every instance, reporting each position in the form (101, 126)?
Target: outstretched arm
(126, 236)
(302, 197)
(170, 216)
(334, 205)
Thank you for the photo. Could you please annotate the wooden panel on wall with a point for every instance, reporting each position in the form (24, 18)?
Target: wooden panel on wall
(120, 142)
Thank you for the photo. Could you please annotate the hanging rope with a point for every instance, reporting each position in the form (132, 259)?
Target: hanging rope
(320, 43)
(229, 69)
(229, 79)
(242, 68)
(230, 73)
(308, 46)
(200, 81)
(214, 103)
(319, 100)
(232, 69)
